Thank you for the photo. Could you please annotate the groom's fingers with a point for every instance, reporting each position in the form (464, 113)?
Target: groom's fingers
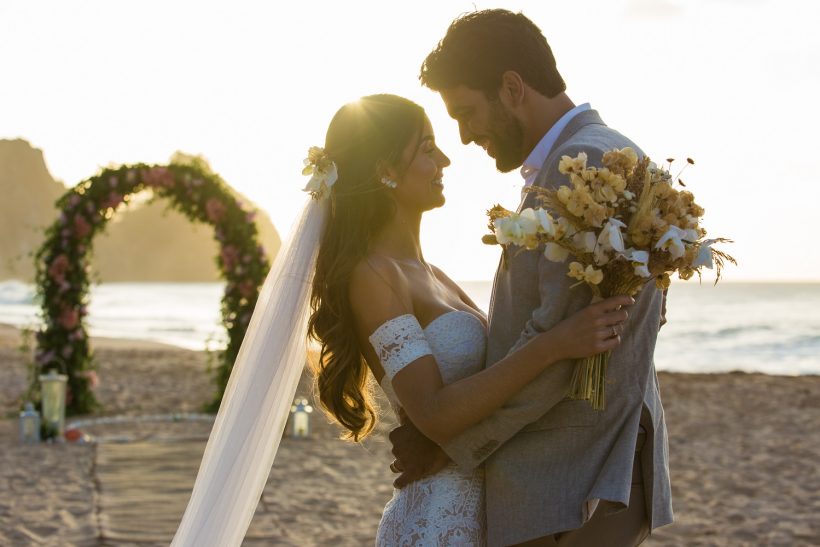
(439, 461)
(611, 318)
(403, 480)
(611, 343)
(610, 331)
(615, 302)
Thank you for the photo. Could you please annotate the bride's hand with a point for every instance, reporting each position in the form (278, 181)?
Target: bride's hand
(592, 330)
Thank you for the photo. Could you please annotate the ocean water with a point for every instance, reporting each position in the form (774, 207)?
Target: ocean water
(181, 314)
(754, 327)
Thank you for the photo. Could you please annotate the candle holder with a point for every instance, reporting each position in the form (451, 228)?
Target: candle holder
(53, 391)
(29, 425)
(300, 418)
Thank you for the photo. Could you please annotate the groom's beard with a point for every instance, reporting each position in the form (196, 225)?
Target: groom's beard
(507, 137)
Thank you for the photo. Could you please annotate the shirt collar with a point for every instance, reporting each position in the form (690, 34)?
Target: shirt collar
(533, 163)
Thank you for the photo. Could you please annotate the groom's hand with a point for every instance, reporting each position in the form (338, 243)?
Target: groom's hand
(416, 455)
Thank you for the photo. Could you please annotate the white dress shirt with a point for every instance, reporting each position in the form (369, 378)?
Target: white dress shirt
(533, 163)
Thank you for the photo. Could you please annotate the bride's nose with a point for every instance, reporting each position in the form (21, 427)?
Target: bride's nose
(444, 161)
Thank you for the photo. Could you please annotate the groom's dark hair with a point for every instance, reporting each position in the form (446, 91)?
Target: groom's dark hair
(481, 46)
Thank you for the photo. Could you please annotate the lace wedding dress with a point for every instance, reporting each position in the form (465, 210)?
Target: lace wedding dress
(446, 509)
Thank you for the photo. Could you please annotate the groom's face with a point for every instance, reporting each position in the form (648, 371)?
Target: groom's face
(488, 123)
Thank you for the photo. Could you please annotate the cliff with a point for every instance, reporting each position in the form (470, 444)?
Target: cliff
(145, 242)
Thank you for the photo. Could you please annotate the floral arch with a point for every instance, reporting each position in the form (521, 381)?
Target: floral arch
(62, 277)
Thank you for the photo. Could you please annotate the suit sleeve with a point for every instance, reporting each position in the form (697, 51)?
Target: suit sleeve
(557, 300)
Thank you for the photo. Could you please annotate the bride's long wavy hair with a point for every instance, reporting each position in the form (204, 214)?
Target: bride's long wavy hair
(364, 137)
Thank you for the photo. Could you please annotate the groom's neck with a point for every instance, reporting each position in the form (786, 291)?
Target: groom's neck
(540, 114)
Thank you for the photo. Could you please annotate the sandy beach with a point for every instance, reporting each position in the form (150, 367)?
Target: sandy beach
(745, 459)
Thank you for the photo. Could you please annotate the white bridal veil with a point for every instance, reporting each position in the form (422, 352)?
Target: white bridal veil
(257, 400)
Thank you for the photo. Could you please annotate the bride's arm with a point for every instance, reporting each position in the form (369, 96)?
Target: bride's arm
(379, 295)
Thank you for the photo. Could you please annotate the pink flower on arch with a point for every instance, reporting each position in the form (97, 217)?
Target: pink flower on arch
(112, 201)
(81, 227)
(91, 377)
(230, 257)
(215, 210)
(69, 318)
(158, 177)
(58, 268)
(45, 358)
(247, 288)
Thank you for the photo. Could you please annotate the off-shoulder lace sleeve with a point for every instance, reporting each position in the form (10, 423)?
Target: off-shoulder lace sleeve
(398, 342)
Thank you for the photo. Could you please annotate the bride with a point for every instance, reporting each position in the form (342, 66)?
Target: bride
(353, 277)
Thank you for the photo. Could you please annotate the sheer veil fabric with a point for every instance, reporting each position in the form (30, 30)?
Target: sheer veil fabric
(258, 397)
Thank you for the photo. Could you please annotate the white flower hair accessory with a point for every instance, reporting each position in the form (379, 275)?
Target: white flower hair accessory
(323, 170)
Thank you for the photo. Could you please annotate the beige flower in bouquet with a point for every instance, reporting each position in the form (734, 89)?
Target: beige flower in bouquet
(622, 225)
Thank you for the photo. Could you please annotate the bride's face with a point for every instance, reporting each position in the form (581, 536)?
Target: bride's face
(419, 186)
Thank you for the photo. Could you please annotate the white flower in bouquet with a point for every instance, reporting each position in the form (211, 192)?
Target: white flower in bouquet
(610, 242)
(639, 260)
(704, 258)
(674, 241)
(518, 228)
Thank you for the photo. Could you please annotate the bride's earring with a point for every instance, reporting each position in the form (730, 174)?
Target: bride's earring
(388, 182)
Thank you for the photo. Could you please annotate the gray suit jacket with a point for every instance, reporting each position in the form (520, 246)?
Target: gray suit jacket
(547, 455)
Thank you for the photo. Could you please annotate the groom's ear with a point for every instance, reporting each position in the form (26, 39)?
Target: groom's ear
(512, 89)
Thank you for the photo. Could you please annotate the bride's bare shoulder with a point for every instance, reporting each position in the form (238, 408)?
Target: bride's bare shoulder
(379, 279)
(378, 268)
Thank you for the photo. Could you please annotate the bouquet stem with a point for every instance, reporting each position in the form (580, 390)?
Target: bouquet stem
(589, 380)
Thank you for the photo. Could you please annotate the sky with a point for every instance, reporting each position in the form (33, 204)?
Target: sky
(251, 85)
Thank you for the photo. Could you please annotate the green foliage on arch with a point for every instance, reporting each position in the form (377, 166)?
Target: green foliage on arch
(62, 262)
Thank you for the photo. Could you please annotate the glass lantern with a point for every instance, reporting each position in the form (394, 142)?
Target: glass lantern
(29, 425)
(300, 418)
(53, 391)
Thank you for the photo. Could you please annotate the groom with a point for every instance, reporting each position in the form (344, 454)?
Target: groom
(557, 471)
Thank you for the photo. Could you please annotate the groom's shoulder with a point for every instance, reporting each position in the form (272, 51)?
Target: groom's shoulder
(598, 137)
(594, 140)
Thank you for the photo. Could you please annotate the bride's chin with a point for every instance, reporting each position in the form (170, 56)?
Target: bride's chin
(437, 204)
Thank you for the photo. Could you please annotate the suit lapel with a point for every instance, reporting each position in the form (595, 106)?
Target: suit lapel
(583, 119)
